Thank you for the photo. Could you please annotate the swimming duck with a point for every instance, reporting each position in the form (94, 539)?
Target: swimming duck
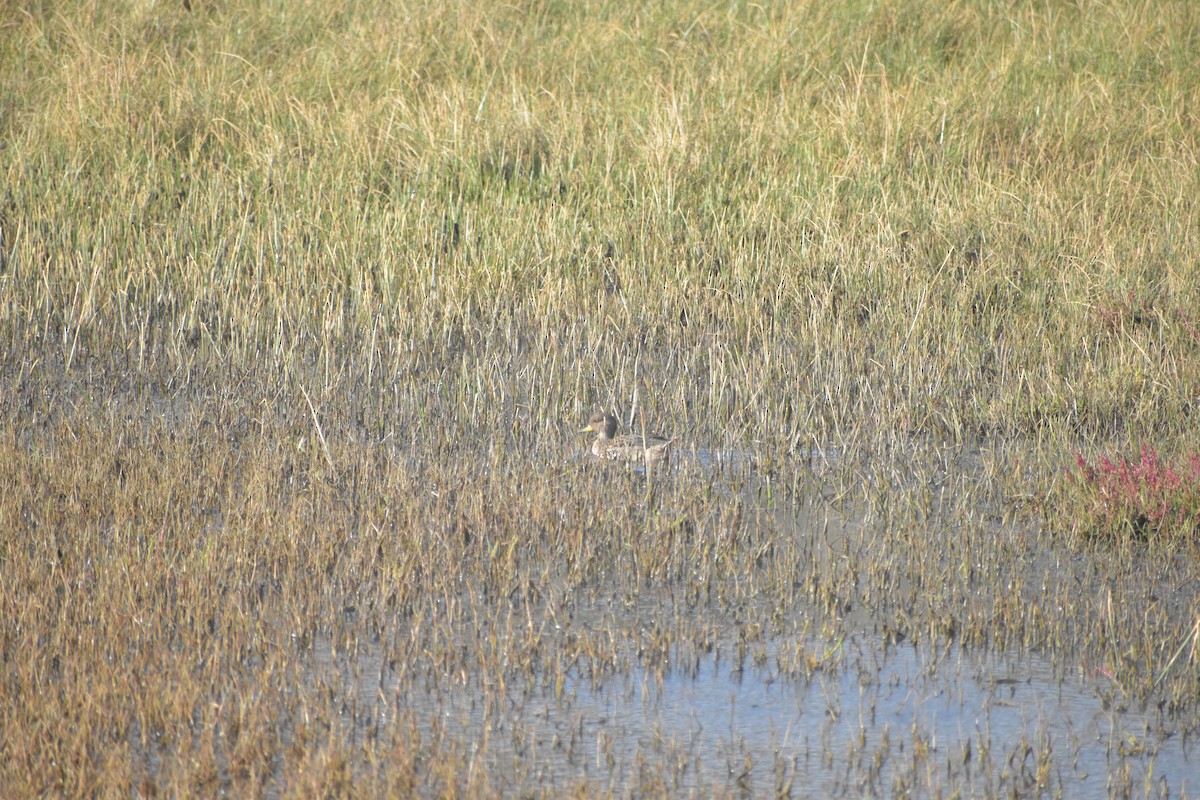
(649, 449)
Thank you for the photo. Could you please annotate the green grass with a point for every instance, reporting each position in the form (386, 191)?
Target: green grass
(302, 303)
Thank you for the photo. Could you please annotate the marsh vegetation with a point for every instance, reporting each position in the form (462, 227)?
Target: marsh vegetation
(302, 306)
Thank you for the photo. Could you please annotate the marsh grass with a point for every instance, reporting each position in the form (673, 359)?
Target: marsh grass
(301, 303)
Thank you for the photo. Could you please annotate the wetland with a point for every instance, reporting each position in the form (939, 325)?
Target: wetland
(303, 307)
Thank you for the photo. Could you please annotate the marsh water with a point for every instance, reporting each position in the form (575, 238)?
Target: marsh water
(891, 720)
(798, 707)
(374, 614)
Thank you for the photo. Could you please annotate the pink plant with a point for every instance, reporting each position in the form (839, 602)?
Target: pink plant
(1146, 496)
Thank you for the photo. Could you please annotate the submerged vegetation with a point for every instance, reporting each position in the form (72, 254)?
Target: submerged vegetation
(302, 303)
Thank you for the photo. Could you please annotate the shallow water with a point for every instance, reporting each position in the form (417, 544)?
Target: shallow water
(831, 711)
(786, 709)
(742, 704)
(887, 720)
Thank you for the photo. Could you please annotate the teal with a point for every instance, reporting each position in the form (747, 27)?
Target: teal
(648, 449)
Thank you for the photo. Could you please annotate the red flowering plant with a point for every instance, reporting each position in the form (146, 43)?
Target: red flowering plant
(1143, 498)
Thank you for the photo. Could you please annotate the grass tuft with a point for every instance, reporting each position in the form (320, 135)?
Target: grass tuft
(1141, 498)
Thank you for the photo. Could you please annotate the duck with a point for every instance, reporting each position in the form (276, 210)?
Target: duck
(647, 449)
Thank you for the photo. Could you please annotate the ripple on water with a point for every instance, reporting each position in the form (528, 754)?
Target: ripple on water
(885, 718)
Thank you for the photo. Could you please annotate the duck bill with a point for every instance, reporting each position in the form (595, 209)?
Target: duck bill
(588, 429)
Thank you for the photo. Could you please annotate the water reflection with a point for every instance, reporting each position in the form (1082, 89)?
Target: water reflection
(883, 720)
(779, 711)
